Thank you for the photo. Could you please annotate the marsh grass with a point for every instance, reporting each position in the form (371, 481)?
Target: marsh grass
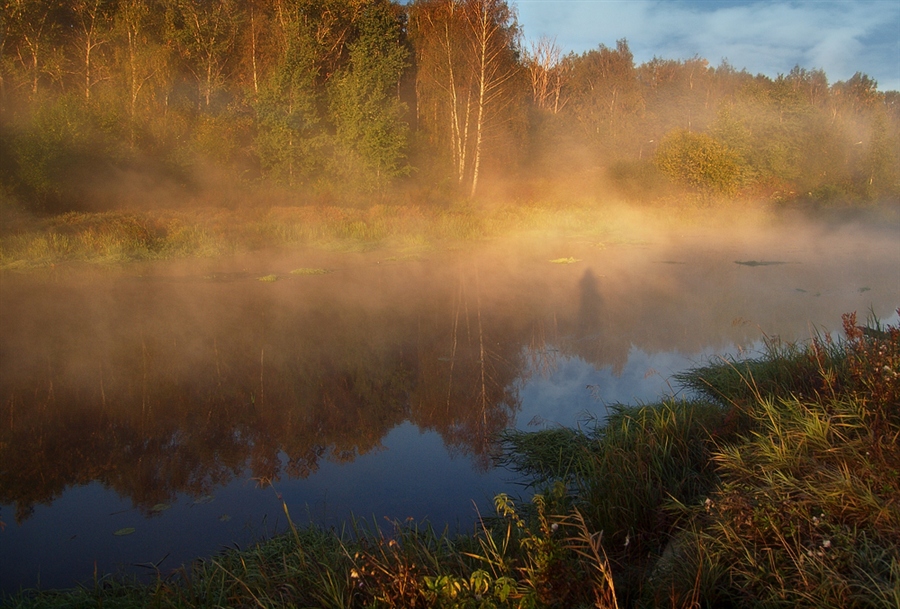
(115, 237)
(778, 487)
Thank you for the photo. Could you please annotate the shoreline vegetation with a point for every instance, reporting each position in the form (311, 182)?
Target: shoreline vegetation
(776, 485)
(113, 237)
(29, 242)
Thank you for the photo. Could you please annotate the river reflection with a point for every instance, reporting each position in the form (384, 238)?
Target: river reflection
(177, 399)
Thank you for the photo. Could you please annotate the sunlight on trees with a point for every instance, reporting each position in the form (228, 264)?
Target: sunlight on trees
(336, 97)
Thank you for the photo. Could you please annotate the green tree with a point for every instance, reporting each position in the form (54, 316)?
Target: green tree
(290, 136)
(368, 115)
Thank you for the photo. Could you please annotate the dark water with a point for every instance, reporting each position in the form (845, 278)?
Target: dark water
(183, 399)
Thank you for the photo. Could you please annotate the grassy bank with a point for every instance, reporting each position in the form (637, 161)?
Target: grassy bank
(115, 237)
(122, 236)
(778, 485)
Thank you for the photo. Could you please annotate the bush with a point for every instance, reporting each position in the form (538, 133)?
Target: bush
(701, 161)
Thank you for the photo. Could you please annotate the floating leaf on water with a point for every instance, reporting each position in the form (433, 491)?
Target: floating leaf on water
(801, 290)
(123, 532)
(861, 290)
(160, 507)
(568, 260)
(224, 518)
(204, 499)
(305, 271)
(759, 262)
(269, 278)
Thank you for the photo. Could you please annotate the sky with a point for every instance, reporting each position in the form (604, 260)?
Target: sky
(764, 37)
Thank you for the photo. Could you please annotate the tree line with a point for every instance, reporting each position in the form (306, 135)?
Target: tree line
(359, 96)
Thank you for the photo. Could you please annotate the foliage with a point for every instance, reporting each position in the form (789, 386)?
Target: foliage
(806, 515)
(371, 133)
(345, 97)
(699, 160)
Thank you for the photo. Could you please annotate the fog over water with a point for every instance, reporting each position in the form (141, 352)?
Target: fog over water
(181, 398)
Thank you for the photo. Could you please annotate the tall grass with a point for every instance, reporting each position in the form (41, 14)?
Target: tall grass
(125, 236)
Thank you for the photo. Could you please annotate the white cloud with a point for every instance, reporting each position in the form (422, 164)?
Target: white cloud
(767, 37)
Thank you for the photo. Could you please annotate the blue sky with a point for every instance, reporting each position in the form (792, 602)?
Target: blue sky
(838, 36)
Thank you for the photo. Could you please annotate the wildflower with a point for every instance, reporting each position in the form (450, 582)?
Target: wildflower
(554, 527)
(628, 537)
(826, 543)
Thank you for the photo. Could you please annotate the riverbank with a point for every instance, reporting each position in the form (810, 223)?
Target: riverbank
(128, 236)
(116, 237)
(778, 485)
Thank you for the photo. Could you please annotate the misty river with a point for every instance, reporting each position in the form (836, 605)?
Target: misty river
(157, 412)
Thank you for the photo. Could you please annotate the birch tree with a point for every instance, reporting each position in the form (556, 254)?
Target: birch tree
(546, 72)
(92, 26)
(142, 58)
(31, 36)
(466, 53)
(205, 31)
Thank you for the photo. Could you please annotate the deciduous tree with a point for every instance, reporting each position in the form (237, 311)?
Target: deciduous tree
(368, 116)
(467, 59)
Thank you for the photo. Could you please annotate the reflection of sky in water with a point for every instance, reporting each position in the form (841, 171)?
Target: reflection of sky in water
(574, 389)
(569, 390)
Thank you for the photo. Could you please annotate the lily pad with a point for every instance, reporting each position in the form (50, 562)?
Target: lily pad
(125, 531)
(203, 500)
(160, 507)
(305, 271)
(568, 260)
(759, 262)
(269, 278)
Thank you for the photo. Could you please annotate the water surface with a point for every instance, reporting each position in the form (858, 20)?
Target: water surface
(186, 400)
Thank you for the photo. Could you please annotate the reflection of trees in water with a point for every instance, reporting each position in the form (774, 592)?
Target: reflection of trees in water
(163, 407)
(164, 388)
(467, 366)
